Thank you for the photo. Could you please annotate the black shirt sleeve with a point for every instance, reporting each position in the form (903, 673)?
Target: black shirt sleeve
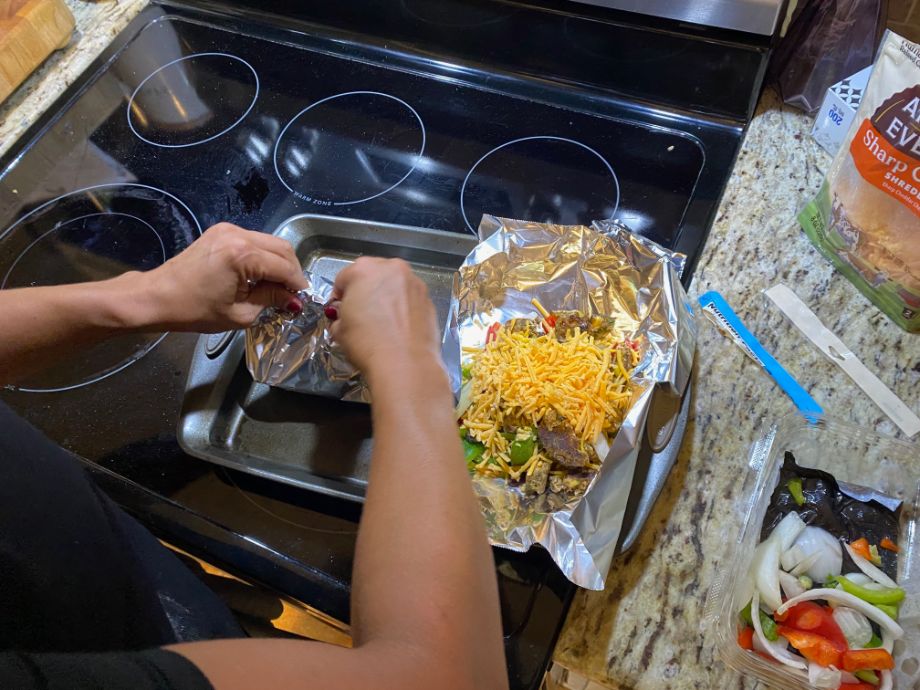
(155, 669)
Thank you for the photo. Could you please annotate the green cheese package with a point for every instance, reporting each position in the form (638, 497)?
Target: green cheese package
(866, 217)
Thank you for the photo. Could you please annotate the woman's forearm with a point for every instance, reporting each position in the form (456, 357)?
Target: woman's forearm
(222, 281)
(423, 571)
(43, 324)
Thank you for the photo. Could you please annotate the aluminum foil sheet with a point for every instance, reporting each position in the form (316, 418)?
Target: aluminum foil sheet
(604, 270)
(296, 352)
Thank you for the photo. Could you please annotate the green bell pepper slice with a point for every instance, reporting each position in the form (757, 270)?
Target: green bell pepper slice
(472, 452)
(522, 448)
(870, 677)
(795, 488)
(890, 610)
(888, 595)
(768, 625)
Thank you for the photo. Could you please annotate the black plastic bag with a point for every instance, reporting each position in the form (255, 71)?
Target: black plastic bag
(828, 40)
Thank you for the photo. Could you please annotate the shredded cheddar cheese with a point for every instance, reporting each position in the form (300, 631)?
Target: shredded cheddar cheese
(519, 378)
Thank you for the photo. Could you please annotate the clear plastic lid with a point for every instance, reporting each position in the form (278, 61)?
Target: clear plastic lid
(853, 455)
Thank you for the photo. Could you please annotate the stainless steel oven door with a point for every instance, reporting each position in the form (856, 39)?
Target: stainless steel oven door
(754, 16)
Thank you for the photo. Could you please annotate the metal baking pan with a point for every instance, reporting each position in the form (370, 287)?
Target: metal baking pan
(324, 444)
(304, 440)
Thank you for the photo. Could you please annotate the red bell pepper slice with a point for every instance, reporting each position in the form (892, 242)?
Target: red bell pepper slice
(867, 660)
(886, 543)
(812, 646)
(861, 546)
(746, 638)
(492, 333)
(857, 686)
(812, 617)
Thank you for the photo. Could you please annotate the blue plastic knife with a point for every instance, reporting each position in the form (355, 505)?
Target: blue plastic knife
(715, 306)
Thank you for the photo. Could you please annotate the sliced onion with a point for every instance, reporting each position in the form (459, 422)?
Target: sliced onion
(790, 585)
(887, 682)
(766, 569)
(854, 626)
(814, 540)
(804, 566)
(765, 565)
(465, 399)
(780, 653)
(792, 557)
(860, 579)
(601, 447)
(847, 677)
(824, 677)
(870, 569)
(788, 530)
(847, 599)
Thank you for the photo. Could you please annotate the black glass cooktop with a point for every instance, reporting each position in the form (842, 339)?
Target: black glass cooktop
(207, 112)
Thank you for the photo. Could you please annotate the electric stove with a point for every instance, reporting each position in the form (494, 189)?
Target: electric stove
(408, 112)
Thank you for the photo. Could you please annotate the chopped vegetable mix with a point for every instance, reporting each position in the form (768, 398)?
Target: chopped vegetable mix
(831, 594)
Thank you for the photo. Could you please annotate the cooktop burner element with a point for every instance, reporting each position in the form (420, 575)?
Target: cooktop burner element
(540, 178)
(94, 234)
(349, 148)
(187, 101)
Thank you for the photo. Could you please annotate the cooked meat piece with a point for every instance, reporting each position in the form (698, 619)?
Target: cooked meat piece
(552, 419)
(536, 482)
(563, 447)
(568, 321)
(556, 484)
(521, 326)
(600, 326)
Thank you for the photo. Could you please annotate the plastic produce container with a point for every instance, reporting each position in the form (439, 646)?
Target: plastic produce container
(855, 456)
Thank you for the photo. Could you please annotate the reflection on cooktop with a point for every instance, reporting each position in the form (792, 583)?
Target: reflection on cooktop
(349, 148)
(189, 101)
(94, 234)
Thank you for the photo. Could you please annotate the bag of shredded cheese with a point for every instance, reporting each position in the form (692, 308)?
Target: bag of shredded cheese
(866, 218)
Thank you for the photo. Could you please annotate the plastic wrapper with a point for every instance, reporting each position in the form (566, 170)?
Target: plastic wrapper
(866, 216)
(604, 270)
(827, 41)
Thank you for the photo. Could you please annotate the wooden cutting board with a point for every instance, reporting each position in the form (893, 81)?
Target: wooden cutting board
(30, 30)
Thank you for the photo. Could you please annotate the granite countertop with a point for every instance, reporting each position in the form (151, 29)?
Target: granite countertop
(643, 630)
(97, 23)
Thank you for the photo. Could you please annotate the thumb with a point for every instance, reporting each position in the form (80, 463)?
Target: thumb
(267, 294)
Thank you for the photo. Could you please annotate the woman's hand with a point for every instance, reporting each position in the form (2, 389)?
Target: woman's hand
(222, 281)
(385, 316)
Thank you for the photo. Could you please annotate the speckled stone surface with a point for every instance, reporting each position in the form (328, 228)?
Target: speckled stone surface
(643, 630)
(97, 23)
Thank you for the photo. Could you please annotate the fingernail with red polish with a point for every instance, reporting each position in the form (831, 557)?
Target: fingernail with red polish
(294, 306)
(331, 312)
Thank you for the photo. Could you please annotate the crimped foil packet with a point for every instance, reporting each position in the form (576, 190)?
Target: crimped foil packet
(604, 270)
(296, 352)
